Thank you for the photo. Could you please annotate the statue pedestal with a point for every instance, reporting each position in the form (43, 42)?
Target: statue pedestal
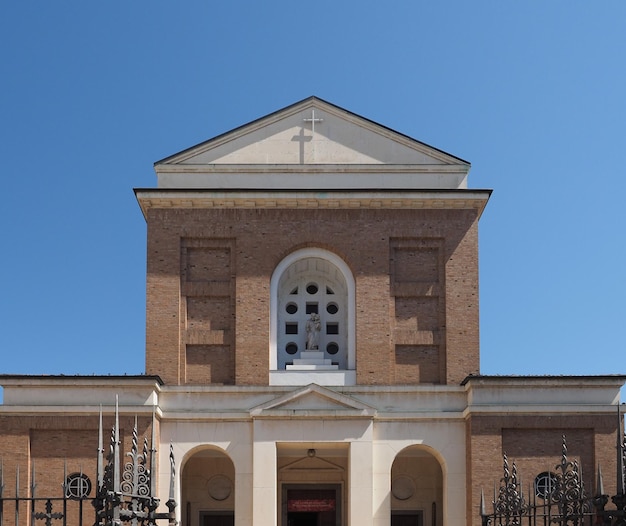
(312, 361)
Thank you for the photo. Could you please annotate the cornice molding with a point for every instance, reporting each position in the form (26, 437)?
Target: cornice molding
(311, 168)
(261, 199)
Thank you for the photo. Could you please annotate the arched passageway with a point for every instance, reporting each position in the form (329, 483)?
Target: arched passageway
(208, 489)
(416, 489)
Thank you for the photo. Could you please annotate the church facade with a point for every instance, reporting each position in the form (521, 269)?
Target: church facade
(312, 341)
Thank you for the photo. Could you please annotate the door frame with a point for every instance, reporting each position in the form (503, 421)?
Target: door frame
(286, 486)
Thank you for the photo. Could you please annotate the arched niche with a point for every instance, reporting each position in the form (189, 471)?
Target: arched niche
(312, 280)
(208, 488)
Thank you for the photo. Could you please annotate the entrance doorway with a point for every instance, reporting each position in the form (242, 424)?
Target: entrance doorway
(311, 505)
(303, 518)
(216, 518)
(407, 518)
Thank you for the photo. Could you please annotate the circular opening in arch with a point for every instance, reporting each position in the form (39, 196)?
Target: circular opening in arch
(312, 288)
(332, 308)
(291, 308)
(332, 348)
(329, 280)
(291, 348)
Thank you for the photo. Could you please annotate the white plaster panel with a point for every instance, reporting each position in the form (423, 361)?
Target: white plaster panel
(381, 496)
(384, 455)
(211, 400)
(297, 430)
(361, 464)
(303, 181)
(88, 395)
(264, 463)
(265, 511)
(416, 400)
(243, 499)
(388, 401)
(264, 490)
(361, 488)
(542, 393)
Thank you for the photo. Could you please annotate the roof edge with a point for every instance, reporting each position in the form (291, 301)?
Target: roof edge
(566, 378)
(304, 102)
(13, 378)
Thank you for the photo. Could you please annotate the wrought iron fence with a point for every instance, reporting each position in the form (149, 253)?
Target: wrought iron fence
(565, 503)
(125, 493)
(30, 509)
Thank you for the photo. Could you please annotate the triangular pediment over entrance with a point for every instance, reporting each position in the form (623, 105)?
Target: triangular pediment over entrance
(313, 400)
(312, 137)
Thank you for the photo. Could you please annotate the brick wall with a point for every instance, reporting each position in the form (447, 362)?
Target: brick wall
(208, 290)
(534, 444)
(57, 444)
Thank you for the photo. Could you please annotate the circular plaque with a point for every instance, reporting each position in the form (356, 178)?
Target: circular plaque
(220, 487)
(402, 487)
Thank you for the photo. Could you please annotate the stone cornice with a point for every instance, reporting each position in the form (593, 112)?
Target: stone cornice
(298, 199)
(63, 380)
(311, 168)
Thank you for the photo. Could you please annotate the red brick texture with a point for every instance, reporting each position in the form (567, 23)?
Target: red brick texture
(534, 444)
(52, 446)
(209, 270)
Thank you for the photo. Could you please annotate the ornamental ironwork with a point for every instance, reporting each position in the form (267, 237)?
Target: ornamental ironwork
(125, 493)
(566, 503)
(72, 506)
(545, 484)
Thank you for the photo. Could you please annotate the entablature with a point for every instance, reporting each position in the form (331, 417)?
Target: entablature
(312, 199)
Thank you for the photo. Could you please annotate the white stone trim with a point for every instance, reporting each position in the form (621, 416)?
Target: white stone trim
(306, 181)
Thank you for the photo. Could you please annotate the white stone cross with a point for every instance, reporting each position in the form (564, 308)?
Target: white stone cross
(313, 120)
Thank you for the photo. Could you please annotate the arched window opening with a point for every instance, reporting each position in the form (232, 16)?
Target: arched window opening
(312, 317)
(312, 309)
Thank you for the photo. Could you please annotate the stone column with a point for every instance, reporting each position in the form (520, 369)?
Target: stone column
(360, 495)
(384, 456)
(242, 458)
(264, 492)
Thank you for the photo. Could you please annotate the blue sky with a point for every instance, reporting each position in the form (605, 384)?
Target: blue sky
(532, 93)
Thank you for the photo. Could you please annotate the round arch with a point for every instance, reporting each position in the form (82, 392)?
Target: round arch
(348, 279)
(417, 486)
(427, 449)
(202, 448)
(207, 486)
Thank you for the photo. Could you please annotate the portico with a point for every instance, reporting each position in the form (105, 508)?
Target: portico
(315, 438)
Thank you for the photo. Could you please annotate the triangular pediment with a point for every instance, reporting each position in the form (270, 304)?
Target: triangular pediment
(313, 400)
(312, 131)
(312, 144)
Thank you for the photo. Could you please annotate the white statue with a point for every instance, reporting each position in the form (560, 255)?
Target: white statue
(313, 327)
